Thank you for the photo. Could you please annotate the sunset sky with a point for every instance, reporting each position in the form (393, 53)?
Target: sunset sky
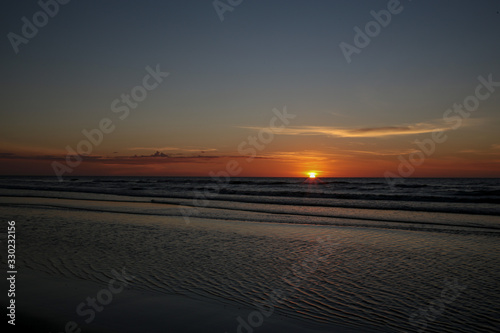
(357, 119)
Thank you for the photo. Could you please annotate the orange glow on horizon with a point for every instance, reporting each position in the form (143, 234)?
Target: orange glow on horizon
(309, 166)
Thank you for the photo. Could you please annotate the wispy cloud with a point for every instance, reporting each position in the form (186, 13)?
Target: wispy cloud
(366, 132)
(156, 158)
(337, 114)
(300, 155)
(178, 149)
(493, 151)
(383, 152)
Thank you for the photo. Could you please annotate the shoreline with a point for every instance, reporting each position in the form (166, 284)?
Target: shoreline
(343, 217)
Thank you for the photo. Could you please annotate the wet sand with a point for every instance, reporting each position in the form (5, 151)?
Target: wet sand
(48, 303)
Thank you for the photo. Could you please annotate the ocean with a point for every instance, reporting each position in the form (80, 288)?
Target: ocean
(421, 256)
(425, 203)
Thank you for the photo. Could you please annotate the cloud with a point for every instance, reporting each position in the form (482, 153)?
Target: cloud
(156, 158)
(493, 151)
(186, 149)
(12, 156)
(337, 114)
(363, 132)
(299, 155)
(383, 152)
(157, 154)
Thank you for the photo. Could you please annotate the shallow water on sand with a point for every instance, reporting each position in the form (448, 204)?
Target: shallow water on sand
(361, 277)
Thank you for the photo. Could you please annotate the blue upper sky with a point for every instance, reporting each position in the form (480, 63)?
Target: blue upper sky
(227, 75)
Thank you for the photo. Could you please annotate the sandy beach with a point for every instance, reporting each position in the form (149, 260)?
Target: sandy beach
(119, 266)
(48, 303)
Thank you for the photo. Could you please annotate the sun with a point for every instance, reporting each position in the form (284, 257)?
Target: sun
(312, 174)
